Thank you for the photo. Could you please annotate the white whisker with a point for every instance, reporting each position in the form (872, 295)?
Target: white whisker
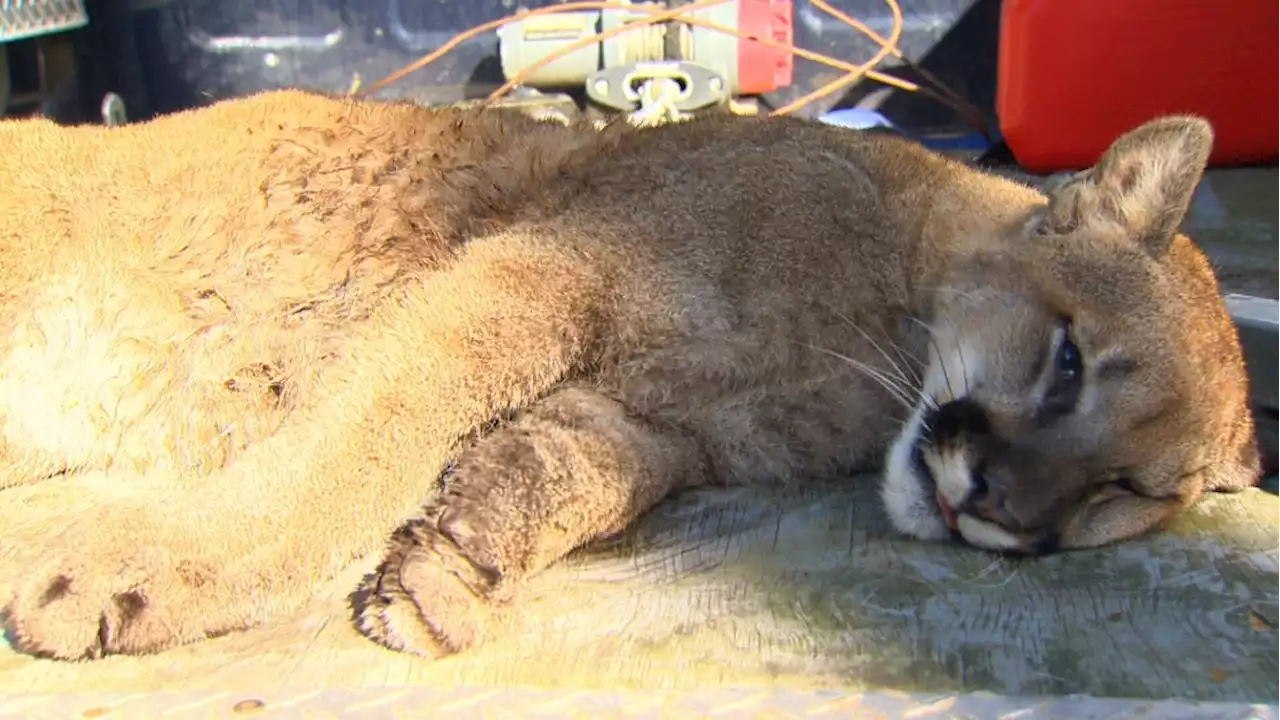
(896, 386)
(914, 378)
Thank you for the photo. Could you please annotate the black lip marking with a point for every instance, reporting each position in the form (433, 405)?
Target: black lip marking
(943, 425)
(1048, 545)
(959, 418)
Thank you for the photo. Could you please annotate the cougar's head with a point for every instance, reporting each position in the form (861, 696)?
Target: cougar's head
(1084, 381)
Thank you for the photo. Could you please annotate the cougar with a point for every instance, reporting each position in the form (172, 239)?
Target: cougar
(267, 326)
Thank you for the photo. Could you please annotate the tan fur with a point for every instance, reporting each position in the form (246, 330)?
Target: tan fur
(273, 322)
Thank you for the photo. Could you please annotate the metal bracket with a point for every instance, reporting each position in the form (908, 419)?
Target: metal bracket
(620, 87)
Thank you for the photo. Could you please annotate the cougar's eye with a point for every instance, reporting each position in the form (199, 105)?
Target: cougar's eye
(1068, 373)
(1067, 363)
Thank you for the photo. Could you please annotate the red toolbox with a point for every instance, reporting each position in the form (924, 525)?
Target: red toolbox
(1074, 74)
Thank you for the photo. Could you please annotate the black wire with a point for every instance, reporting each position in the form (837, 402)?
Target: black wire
(968, 110)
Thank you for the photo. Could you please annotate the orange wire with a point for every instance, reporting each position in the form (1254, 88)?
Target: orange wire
(596, 39)
(854, 71)
(965, 108)
(466, 35)
(857, 24)
(800, 52)
(886, 48)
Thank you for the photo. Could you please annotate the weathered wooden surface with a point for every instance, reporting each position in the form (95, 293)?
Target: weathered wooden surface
(793, 588)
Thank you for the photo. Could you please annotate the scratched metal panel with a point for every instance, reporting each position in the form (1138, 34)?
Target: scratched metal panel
(485, 702)
(30, 18)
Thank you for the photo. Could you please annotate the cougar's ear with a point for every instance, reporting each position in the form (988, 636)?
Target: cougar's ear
(1143, 183)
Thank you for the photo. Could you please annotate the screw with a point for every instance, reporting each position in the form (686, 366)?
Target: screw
(246, 707)
(716, 84)
(113, 110)
(601, 87)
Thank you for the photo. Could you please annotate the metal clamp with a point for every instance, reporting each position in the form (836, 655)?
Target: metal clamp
(621, 87)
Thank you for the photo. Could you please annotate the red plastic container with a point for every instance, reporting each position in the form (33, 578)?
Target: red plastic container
(1075, 74)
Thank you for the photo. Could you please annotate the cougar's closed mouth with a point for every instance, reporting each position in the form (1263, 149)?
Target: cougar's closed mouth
(948, 513)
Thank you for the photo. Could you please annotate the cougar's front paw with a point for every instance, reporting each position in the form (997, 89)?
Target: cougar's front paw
(437, 592)
(108, 584)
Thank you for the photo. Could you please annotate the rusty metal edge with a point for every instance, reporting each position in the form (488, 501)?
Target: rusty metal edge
(1257, 320)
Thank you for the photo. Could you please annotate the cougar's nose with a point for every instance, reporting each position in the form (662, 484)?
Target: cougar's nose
(987, 497)
(979, 488)
(964, 421)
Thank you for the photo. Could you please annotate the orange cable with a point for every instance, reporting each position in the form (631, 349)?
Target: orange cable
(466, 35)
(965, 107)
(890, 80)
(656, 16)
(802, 53)
(596, 39)
(858, 25)
(886, 48)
